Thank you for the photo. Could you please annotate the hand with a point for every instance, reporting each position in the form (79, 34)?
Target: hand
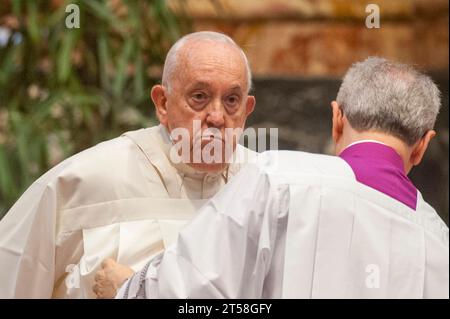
(109, 278)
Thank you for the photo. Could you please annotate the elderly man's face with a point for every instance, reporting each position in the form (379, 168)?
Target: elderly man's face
(210, 86)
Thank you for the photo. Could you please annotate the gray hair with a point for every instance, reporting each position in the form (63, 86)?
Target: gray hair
(172, 56)
(390, 97)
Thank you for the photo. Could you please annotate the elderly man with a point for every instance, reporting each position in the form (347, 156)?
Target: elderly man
(299, 225)
(126, 199)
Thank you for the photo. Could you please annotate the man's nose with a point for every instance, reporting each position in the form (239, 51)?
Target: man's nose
(215, 116)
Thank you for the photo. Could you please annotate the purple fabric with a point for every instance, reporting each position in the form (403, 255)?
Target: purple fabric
(380, 167)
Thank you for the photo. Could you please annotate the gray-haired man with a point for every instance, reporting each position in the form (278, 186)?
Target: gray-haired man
(126, 198)
(299, 225)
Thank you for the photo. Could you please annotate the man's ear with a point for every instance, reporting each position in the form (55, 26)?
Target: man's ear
(250, 105)
(159, 98)
(420, 147)
(337, 121)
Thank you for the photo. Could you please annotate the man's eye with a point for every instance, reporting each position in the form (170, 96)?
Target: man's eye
(232, 100)
(199, 97)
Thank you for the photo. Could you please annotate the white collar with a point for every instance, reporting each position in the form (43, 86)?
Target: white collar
(365, 141)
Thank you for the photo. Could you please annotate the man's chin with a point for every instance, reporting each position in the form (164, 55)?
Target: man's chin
(209, 168)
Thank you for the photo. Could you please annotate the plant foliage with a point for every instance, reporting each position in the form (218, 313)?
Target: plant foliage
(65, 89)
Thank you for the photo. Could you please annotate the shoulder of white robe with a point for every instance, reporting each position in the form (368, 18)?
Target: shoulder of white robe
(146, 140)
(332, 170)
(431, 220)
(295, 163)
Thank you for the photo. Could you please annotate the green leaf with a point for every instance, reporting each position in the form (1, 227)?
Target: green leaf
(64, 56)
(104, 60)
(16, 5)
(42, 109)
(121, 70)
(139, 90)
(101, 10)
(6, 180)
(168, 21)
(7, 64)
(58, 16)
(22, 128)
(79, 101)
(33, 28)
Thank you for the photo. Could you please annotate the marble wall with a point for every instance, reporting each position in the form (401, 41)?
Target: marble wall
(324, 37)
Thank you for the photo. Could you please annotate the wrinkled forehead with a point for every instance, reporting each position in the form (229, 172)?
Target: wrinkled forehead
(211, 59)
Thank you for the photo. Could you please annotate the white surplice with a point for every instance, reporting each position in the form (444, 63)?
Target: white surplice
(299, 225)
(122, 199)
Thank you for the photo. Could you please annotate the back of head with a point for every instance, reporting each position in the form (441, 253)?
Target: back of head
(389, 97)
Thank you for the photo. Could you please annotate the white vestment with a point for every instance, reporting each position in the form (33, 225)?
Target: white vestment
(122, 199)
(299, 225)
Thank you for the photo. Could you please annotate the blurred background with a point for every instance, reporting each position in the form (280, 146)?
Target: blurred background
(63, 90)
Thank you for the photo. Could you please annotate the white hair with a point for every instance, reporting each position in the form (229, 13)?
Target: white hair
(390, 97)
(171, 62)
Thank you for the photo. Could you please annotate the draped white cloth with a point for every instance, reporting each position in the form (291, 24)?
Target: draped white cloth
(298, 225)
(122, 199)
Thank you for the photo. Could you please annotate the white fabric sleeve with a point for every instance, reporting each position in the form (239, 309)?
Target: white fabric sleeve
(226, 251)
(27, 245)
(134, 287)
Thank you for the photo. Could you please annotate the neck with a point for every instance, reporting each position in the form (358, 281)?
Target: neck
(398, 145)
